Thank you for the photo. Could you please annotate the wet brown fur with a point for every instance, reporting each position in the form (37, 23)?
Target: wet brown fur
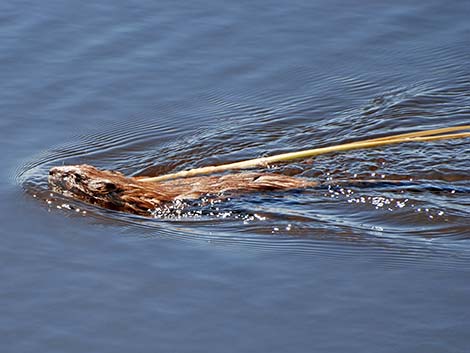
(115, 191)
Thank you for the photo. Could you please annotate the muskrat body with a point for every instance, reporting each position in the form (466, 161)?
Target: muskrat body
(115, 191)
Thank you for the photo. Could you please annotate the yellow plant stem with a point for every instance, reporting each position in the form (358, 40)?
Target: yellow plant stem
(420, 136)
(424, 133)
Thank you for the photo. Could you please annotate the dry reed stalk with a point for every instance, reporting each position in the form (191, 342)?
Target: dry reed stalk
(420, 136)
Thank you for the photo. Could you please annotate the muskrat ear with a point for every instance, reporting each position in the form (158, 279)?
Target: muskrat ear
(102, 185)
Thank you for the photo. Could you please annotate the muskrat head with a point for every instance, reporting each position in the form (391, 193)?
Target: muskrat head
(105, 188)
(83, 182)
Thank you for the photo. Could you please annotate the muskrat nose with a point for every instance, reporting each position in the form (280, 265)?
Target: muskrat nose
(56, 171)
(53, 170)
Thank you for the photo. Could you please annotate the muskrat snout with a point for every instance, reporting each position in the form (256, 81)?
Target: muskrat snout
(54, 171)
(65, 176)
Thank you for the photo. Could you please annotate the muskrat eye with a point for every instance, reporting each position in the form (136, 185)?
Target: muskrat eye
(102, 186)
(109, 186)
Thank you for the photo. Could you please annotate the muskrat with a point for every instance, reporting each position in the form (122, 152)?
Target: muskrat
(115, 191)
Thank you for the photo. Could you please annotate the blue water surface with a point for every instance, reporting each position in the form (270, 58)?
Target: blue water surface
(147, 87)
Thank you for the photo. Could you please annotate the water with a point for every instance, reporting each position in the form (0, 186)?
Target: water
(151, 87)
